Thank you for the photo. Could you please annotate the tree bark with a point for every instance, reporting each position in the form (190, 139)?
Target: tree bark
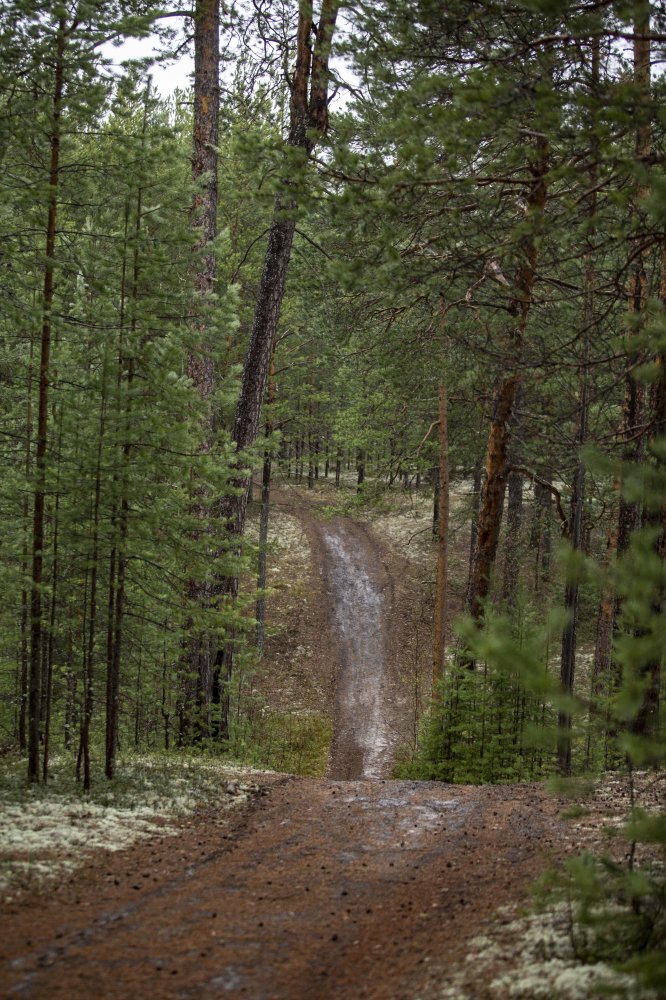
(116, 602)
(89, 675)
(635, 395)
(628, 519)
(25, 606)
(576, 527)
(200, 366)
(477, 479)
(52, 614)
(439, 624)
(646, 720)
(308, 121)
(36, 636)
(492, 493)
(263, 522)
(514, 520)
(204, 178)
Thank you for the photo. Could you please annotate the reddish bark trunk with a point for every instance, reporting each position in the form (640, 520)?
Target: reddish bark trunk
(492, 494)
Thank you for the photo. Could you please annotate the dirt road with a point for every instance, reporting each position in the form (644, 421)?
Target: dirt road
(321, 888)
(324, 889)
(357, 583)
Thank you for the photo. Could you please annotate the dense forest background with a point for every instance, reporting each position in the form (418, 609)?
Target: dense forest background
(381, 246)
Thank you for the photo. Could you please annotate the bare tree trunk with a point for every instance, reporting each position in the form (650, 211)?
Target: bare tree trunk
(571, 596)
(308, 118)
(70, 696)
(492, 497)
(204, 177)
(514, 520)
(200, 360)
(116, 597)
(52, 616)
(89, 684)
(25, 612)
(477, 478)
(571, 591)
(360, 469)
(541, 531)
(492, 494)
(604, 671)
(439, 625)
(263, 521)
(36, 637)
(646, 720)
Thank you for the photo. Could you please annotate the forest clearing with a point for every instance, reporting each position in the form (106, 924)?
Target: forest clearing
(333, 520)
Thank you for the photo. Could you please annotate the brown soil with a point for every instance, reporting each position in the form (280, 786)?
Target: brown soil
(349, 638)
(319, 888)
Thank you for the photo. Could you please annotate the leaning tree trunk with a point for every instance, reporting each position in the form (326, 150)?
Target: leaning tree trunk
(492, 493)
(36, 629)
(308, 119)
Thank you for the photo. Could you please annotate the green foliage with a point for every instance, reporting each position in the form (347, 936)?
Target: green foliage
(283, 741)
(494, 723)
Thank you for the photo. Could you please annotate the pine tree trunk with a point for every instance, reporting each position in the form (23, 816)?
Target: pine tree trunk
(360, 469)
(477, 480)
(308, 118)
(514, 521)
(633, 414)
(118, 591)
(541, 531)
(571, 596)
(263, 522)
(118, 561)
(52, 614)
(576, 527)
(25, 612)
(635, 395)
(492, 493)
(70, 692)
(200, 359)
(435, 502)
(439, 624)
(89, 680)
(646, 720)
(36, 626)
(492, 497)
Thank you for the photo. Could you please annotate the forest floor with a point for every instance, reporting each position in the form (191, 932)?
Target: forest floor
(351, 885)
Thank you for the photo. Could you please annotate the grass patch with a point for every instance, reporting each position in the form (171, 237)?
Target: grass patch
(293, 742)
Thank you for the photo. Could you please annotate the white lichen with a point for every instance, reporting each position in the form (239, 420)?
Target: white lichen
(47, 831)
